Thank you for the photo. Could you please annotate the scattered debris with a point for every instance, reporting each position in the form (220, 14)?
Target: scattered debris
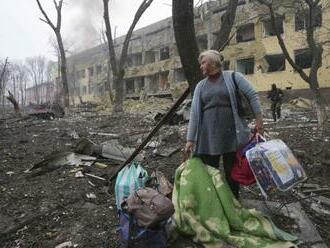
(110, 135)
(91, 196)
(159, 179)
(153, 144)
(113, 150)
(167, 152)
(100, 165)
(301, 102)
(96, 177)
(57, 160)
(46, 110)
(316, 207)
(79, 174)
(66, 245)
(180, 116)
(73, 134)
(306, 231)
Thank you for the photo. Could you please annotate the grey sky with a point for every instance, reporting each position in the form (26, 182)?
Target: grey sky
(23, 35)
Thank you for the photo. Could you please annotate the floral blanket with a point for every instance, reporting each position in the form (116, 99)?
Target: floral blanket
(206, 210)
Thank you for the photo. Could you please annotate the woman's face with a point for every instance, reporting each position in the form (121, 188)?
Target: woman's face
(205, 66)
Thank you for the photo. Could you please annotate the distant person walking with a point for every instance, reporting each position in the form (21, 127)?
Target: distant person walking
(275, 95)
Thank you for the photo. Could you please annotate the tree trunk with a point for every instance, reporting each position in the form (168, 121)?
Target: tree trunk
(119, 93)
(184, 32)
(118, 70)
(22, 97)
(64, 76)
(320, 107)
(107, 84)
(12, 99)
(222, 37)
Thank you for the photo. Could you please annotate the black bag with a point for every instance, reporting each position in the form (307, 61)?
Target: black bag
(243, 104)
(131, 235)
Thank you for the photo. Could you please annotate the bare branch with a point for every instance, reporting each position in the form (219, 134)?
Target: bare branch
(283, 46)
(59, 16)
(222, 38)
(112, 52)
(144, 5)
(4, 69)
(57, 31)
(43, 20)
(45, 15)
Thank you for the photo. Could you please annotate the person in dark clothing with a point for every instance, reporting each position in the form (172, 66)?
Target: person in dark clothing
(275, 95)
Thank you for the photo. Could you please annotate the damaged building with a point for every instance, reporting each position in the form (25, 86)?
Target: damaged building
(154, 67)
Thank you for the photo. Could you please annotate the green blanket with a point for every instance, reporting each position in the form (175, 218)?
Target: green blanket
(206, 210)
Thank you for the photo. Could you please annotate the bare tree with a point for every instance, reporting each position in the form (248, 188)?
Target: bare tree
(118, 66)
(57, 30)
(315, 47)
(4, 67)
(3, 80)
(184, 31)
(19, 79)
(37, 69)
(107, 84)
(13, 100)
(22, 79)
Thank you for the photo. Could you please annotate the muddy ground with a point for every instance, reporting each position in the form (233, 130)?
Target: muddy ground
(48, 210)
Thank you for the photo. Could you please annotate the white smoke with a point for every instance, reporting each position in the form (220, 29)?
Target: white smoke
(82, 23)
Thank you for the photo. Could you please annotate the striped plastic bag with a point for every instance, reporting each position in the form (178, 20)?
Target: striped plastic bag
(129, 179)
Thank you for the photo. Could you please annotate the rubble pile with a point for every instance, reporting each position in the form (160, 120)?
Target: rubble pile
(54, 194)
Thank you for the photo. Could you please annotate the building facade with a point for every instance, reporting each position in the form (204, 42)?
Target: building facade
(154, 67)
(42, 93)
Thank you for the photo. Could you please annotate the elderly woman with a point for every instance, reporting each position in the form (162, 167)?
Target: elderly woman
(215, 128)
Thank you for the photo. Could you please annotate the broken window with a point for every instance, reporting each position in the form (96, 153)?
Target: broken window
(302, 18)
(81, 74)
(100, 89)
(164, 53)
(163, 80)
(179, 75)
(226, 64)
(98, 69)
(245, 33)
(134, 59)
(140, 82)
(153, 85)
(269, 29)
(275, 62)
(245, 66)
(129, 86)
(149, 57)
(202, 42)
(91, 88)
(303, 58)
(90, 71)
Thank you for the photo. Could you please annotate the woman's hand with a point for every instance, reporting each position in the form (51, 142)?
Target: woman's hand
(189, 147)
(259, 124)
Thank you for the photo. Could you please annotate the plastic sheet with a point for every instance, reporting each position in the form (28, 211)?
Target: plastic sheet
(274, 166)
